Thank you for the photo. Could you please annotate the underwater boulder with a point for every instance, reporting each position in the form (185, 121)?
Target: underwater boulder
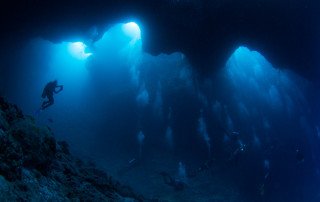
(33, 167)
(64, 147)
(3, 122)
(11, 112)
(38, 145)
(11, 156)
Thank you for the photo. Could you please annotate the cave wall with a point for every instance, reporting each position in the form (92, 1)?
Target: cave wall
(207, 32)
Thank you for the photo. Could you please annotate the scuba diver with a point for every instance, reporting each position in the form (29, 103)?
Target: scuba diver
(236, 154)
(177, 184)
(48, 91)
(236, 147)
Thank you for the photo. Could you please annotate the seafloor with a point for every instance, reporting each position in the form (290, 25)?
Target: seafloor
(216, 184)
(36, 167)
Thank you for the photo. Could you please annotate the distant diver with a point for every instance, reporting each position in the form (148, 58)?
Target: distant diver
(237, 147)
(48, 91)
(176, 183)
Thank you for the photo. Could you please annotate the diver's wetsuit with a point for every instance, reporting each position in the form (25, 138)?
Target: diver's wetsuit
(48, 91)
(177, 184)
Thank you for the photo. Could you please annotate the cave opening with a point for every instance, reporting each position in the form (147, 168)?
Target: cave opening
(114, 92)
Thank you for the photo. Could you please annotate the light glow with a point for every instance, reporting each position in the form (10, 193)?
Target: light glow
(77, 50)
(132, 30)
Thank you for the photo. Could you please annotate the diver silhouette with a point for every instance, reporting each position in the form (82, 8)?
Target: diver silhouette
(48, 91)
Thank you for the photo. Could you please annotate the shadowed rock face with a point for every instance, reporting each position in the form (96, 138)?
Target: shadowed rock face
(34, 167)
(207, 31)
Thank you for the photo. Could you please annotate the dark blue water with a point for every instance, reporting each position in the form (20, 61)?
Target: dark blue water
(247, 132)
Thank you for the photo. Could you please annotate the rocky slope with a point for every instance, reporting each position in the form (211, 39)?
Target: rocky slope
(34, 167)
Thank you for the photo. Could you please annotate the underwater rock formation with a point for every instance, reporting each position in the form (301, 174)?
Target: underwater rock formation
(207, 32)
(34, 167)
